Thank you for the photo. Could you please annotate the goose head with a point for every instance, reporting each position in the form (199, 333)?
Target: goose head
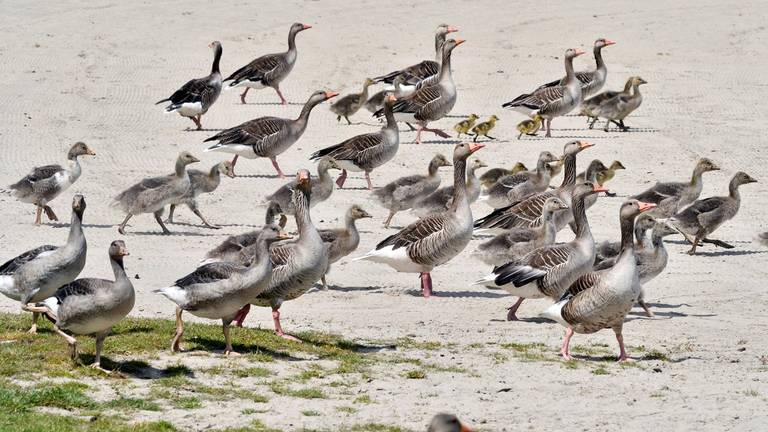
(368, 82)
(327, 163)
(548, 157)
(215, 46)
(464, 150)
(632, 208)
(356, 212)
(519, 167)
(447, 423)
(637, 81)
(602, 43)
(741, 178)
(320, 96)
(227, 169)
(299, 27)
(584, 189)
(439, 161)
(554, 204)
(444, 29)
(78, 205)
(572, 53)
(705, 164)
(493, 119)
(79, 149)
(187, 158)
(450, 44)
(645, 222)
(477, 164)
(595, 167)
(661, 228)
(303, 182)
(473, 117)
(574, 147)
(616, 165)
(272, 233)
(117, 249)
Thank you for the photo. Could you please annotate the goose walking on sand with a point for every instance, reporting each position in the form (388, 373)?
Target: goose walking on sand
(343, 241)
(268, 70)
(447, 423)
(413, 74)
(615, 106)
(43, 184)
(202, 182)
(512, 189)
(195, 97)
(591, 81)
(671, 197)
(493, 175)
(441, 199)
(322, 188)
(350, 104)
(232, 247)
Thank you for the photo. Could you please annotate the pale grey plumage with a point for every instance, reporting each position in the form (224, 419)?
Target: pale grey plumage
(591, 81)
(441, 199)
(200, 183)
(231, 249)
(351, 103)
(322, 188)
(512, 189)
(671, 197)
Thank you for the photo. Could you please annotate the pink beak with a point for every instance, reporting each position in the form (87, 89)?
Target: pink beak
(306, 26)
(475, 147)
(585, 145)
(579, 51)
(645, 206)
(330, 94)
(452, 29)
(609, 42)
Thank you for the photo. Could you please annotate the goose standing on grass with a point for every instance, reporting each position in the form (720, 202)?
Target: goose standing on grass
(434, 240)
(202, 182)
(268, 70)
(441, 199)
(602, 299)
(195, 97)
(266, 137)
(615, 106)
(43, 184)
(231, 248)
(322, 188)
(549, 270)
(491, 176)
(671, 197)
(151, 195)
(415, 73)
(219, 290)
(404, 192)
(697, 221)
(430, 103)
(351, 103)
(91, 306)
(551, 102)
(512, 189)
(342, 241)
(591, 81)
(35, 275)
(365, 152)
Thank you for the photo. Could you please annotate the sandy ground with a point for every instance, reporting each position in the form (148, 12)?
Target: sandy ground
(93, 72)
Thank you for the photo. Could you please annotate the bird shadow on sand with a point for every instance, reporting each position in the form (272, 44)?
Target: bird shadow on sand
(269, 104)
(457, 294)
(66, 225)
(730, 252)
(339, 288)
(203, 130)
(446, 141)
(359, 123)
(533, 320)
(171, 234)
(262, 176)
(213, 346)
(361, 188)
(659, 315)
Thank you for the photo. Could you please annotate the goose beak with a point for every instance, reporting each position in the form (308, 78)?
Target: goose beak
(284, 236)
(330, 94)
(123, 252)
(90, 152)
(609, 42)
(645, 206)
(464, 428)
(578, 51)
(452, 29)
(475, 147)
(598, 189)
(585, 145)
(460, 41)
(306, 26)
(194, 159)
(365, 214)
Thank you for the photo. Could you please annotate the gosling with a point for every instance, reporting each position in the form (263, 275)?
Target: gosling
(484, 128)
(464, 126)
(529, 127)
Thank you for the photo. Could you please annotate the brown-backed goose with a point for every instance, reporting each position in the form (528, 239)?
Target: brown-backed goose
(441, 199)
(591, 81)
(201, 182)
(512, 189)
(447, 423)
(415, 73)
(671, 197)
(231, 248)
(268, 70)
(615, 106)
(376, 102)
(266, 136)
(491, 176)
(343, 241)
(350, 104)
(43, 184)
(322, 188)
(434, 240)
(609, 250)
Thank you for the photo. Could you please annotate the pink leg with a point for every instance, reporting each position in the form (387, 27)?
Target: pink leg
(438, 132)
(512, 310)
(279, 328)
(342, 178)
(549, 128)
(277, 167)
(241, 314)
(426, 284)
(623, 357)
(418, 134)
(234, 161)
(565, 351)
(368, 179)
(242, 96)
(282, 99)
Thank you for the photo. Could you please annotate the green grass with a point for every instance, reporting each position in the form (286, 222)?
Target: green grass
(124, 403)
(310, 413)
(257, 372)
(346, 409)
(363, 399)
(600, 371)
(280, 388)
(415, 374)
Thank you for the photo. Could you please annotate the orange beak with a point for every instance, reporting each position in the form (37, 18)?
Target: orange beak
(391, 98)
(609, 42)
(330, 94)
(475, 147)
(645, 206)
(306, 26)
(585, 145)
(464, 428)
(579, 51)
(283, 236)
(460, 41)
(598, 189)
(452, 29)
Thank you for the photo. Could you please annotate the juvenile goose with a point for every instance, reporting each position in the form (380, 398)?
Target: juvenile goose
(268, 70)
(591, 107)
(365, 152)
(485, 128)
(219, 290)
(404, 192)
(555, 168)
(91, 306)
(615, 107)
(602, 299)
(607, 175)
(591, 81)
(491, 176)
(351, 103)
(464, 126)
(608, 250)
(512, 189)
(530, 126)
(376, 102)
(415, 73)
(297, 266)
(231, 248)
(202, 182)
(342, 241)
(152, 194)
(322, 188)
(195, 97)
(590, 175)
(703, 217)
(434, 240)
(266, 137)
(551, 102)
(36, 274)
(516, 242)
(43, 184)
(671, 197)
(441, 199)
(549, 270)
(447, 423)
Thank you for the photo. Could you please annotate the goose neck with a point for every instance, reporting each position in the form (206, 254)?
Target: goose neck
(216, 60)
(580, 217)
(459, 184)
(569, 175)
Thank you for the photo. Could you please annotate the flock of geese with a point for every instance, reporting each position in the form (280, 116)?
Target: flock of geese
(592, 285)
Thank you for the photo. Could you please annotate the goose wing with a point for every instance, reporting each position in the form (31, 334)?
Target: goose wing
(261, 133)
(415, 233)
(196, 90)
(208, 273)
(12, 265)
(261, 69)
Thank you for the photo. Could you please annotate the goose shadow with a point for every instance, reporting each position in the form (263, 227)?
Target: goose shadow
(171, 234)
(138, 369)
(359, 123)
(261, 176)
(640, 315)
(213, 346)
(457, 294)
(729, 252)
(194, 225)
(446, 141)
(66, 225)
(361, 188)
(532, 320)
(340, 288)
(204, 130)
(269, 104)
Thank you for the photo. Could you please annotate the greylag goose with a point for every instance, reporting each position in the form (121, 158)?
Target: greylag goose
(516, 242)
(376, 102)
(268, 70)
(297, 266)
(526, 212)
(551, 102)
(591, 81)
(36, 274)
(415, 73)
(441, 199)
(365, 152)
(202, 182)
(697, 221)
(266, 136)
(464, 126)
(151, 195)
(670, 197)
(485, 128)
(549, 270)
(430, 103)
(434, 240)
(512, 189)
(322, 188)
(351, 103)
(609, 250)
(599, 300)
(615, 106)
(91, 306)
(447, 423)
(231, 249)
(43, 184)
(219, 290)
(491, 176)
(404, 192)
(195, 97)
(343, 241)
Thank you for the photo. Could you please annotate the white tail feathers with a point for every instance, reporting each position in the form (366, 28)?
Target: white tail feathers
(555, 313)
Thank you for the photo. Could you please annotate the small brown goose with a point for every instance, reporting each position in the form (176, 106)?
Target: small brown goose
(491, 176)
(351, 103)
(671, 197)
(441, 199)
(510, 190)
(201, 182)
(614, 107)
(322, 188)
(231, 249)
(342, 241)
(609, 250)
(415, 73)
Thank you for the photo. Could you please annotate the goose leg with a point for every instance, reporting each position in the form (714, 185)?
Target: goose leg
(426, 284)
(277, 167)
(38, 217)
(347, 119)
(418, 134)
(35, 317)
(368, 179)
(475, 138)
(170, 214)
(565, 350)
(438, 132)
(176, 342)
(623, 357)
(720, 243)
(342, 178)
(592, 123)
(121, 228)
(607, 124)
(512, 310)
(202, 218)
(99, 346)
(241, 314)
(389, 218)
(549, 128)
(282, 99)
(279, 328)
(696, 241)
(228, 350)
(197, 122)
(234, 161)
(159, 220)
(72, 342)
(325, 285)
(50, 214)
(242, 96)
(410, 126)
(521, 134)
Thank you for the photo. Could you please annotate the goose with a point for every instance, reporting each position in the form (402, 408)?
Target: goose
(434, 240)
(268, 70)
(447, 423)
(704, 216)
(549, 270)
(230, 249)
(36, 274)
(590, 175)
(607, 175)
(430, 103)
(529, 126)
(365, 152)
(415, 73)
(441, 199)
(609, 250)
(376, 102)
(485, 128)
(591, 107)
(591, 81)
(266, 136)
(491, 176)
(615, 106)
(219, 290)
(551, 102)
(670, 197)
(555, 168)
(526, 212)
(602, 299)
(322, 188)
(91, 306)
(43, 184)
(351, 103)
(464, 126)
(516, 242)
(404, 192)
(202, 182)
(296, 266)
(342, 241)
(512, 189)
(195, 97)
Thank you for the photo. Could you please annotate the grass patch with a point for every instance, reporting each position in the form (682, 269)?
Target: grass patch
(69, 396)
(281, 389)
(415, 374)
(310, 413)
(346, 409)
(600, 371)
(408, 343)
(363, 399)
(124, 403)
(258, 372)
(656, 355)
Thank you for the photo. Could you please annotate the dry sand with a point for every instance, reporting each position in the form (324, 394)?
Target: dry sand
(92, 72)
